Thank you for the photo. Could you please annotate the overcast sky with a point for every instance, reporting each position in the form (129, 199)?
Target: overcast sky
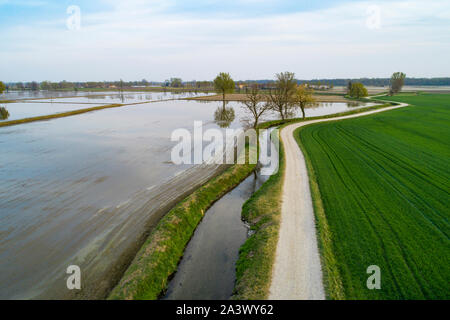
(251, 39)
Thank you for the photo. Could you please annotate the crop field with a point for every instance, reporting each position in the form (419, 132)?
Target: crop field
(383, 184)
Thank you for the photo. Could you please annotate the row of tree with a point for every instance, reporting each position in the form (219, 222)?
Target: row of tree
(373, 82)
(285, 97)
(357, 89)
(65, 85)
(241, 86)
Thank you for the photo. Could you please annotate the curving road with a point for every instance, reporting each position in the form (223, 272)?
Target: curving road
(297, 273)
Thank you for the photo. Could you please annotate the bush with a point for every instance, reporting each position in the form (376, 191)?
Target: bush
(358, 90)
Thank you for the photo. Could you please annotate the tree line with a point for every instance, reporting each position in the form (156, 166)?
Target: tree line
(240, 86)
(285, 97)
(375, 82)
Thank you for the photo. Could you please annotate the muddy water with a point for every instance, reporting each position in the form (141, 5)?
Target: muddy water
(84, 190)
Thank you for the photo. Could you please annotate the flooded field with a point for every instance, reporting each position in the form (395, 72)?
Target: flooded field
(13, 95)
(84, 190)
(52, 95)
(323, 109)
(41, 107)
(22, 110)
(126, 97)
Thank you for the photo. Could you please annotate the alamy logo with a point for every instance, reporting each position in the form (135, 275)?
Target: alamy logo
(73, 22)
(74, 280)
(229, 147)
(373, 20)
(374, 281)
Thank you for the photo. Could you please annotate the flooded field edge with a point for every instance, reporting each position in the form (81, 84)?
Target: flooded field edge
(100, 284)
(154, 293)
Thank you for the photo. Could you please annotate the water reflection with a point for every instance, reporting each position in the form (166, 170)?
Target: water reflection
(224, 116)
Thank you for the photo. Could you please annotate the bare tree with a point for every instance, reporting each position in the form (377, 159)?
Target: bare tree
(255, 104)
(281, 97)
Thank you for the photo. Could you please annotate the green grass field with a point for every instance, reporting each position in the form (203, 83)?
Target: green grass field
(382, 182)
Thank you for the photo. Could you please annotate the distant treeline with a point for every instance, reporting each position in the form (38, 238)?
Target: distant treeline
(178, 83)
(377, 82)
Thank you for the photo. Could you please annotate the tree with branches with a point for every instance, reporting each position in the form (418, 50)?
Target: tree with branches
(358, 90)
(255, 104)
(397, 82)
(223, 84)
(281, 97)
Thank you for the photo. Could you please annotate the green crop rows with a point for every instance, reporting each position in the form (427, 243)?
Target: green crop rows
(384, 182)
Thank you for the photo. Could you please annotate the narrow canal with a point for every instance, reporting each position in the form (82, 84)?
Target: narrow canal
(207, 270)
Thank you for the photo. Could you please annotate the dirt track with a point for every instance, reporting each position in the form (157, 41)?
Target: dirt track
(297, 273)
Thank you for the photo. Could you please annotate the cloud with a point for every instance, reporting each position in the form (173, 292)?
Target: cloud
(152, 39)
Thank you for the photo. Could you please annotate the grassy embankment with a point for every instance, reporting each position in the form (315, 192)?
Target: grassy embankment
(262, 211)
(149, 273)
(380, 187)
(256, 256)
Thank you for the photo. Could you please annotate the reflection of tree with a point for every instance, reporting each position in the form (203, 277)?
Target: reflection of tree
(224, 116)
(4, 114)
(352, 104)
